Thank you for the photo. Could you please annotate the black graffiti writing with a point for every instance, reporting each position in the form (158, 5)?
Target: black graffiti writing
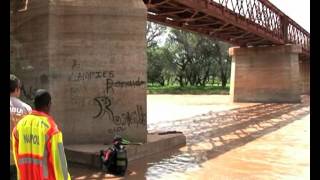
(109, 85)
(90, 75)
(123, 84)
(104, 104)
(116, 130)
(134, 118)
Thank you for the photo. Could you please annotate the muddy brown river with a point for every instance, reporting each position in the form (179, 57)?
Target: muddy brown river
(224, 141)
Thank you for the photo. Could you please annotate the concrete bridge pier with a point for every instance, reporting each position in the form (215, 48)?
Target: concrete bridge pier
(305, 75)
(90, 54)
(266, 74)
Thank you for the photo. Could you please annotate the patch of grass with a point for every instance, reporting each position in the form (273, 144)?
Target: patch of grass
(175, 89)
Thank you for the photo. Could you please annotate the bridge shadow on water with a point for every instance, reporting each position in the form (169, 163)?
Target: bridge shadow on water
(208, 136)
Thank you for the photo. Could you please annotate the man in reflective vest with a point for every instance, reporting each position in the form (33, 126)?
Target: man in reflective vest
(37, 144)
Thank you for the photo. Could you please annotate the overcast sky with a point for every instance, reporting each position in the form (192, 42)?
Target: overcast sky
(298, 10)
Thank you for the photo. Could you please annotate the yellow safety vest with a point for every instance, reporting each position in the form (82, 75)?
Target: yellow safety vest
(38, 149)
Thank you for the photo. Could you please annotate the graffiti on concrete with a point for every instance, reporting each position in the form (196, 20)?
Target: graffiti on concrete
(117, 130)
(109, 87)
(130, 119)
(110, 84)
(90, 75)
(134, 118)
(78, 75)
(104, 104)
(125, 119)
(78, 90)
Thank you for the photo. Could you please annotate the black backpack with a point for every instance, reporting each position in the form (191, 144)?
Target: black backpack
(114, 160)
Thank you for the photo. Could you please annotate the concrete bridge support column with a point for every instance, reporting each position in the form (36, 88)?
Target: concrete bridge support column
(265, 74)
(305, 75)
(90, 54)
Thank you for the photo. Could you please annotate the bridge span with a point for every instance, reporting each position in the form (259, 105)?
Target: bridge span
(238, 22)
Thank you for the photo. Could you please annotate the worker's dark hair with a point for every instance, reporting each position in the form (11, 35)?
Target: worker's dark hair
(42, 99)
(14, 83)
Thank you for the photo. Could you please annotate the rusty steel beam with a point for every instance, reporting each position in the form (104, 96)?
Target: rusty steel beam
(241, 36)
(219, 13)
(221, 28)
(150, 5)
(193, 19)
(260, 19)
(177, 25)
(172, 12)
(204, 24)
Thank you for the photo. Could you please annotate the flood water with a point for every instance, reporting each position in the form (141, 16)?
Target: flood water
(244, 141)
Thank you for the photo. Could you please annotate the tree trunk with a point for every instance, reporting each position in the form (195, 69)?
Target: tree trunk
(180, 79)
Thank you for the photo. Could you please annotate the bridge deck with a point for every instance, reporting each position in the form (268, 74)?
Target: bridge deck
(239, 22)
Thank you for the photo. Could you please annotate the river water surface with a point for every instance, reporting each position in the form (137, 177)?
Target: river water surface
(224, 141)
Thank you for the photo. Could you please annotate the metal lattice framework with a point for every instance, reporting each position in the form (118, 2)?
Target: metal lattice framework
(239, 22)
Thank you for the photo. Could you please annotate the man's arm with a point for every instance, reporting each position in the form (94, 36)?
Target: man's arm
(15, 147)
(27, 108)
(59, 158)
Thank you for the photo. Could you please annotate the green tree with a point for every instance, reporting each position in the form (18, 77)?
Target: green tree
(182, 46)
(189, 59)
(224, 62)
(198, 58)
(160, 67)
(153, 32)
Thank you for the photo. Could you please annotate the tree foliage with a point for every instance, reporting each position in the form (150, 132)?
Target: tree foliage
(188, 59)
(153, 32)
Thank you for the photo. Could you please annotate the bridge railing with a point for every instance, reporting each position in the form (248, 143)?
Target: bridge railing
(297, 35)
(267, 16)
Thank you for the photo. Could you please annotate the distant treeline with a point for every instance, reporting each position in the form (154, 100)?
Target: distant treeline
(185, 58)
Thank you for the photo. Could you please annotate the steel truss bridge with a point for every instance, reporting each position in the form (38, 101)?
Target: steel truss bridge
(238, 22)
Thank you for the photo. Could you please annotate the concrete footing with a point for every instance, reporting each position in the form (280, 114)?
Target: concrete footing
(88, 154)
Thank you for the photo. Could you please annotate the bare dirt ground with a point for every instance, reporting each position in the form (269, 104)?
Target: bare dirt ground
(224, 141)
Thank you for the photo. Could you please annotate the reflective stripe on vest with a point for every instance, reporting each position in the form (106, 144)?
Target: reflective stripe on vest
(63, 161)
(44, 160)
(29, 160)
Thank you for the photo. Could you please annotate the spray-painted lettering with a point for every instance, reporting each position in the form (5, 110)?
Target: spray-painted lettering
(123, 84)
(90, 75)
(116, 130)
(134, 118)
(104, 104)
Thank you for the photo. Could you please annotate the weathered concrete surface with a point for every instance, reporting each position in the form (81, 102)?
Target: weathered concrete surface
(88, 154)
(91, 56)
(305, 75)
(265, 74)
